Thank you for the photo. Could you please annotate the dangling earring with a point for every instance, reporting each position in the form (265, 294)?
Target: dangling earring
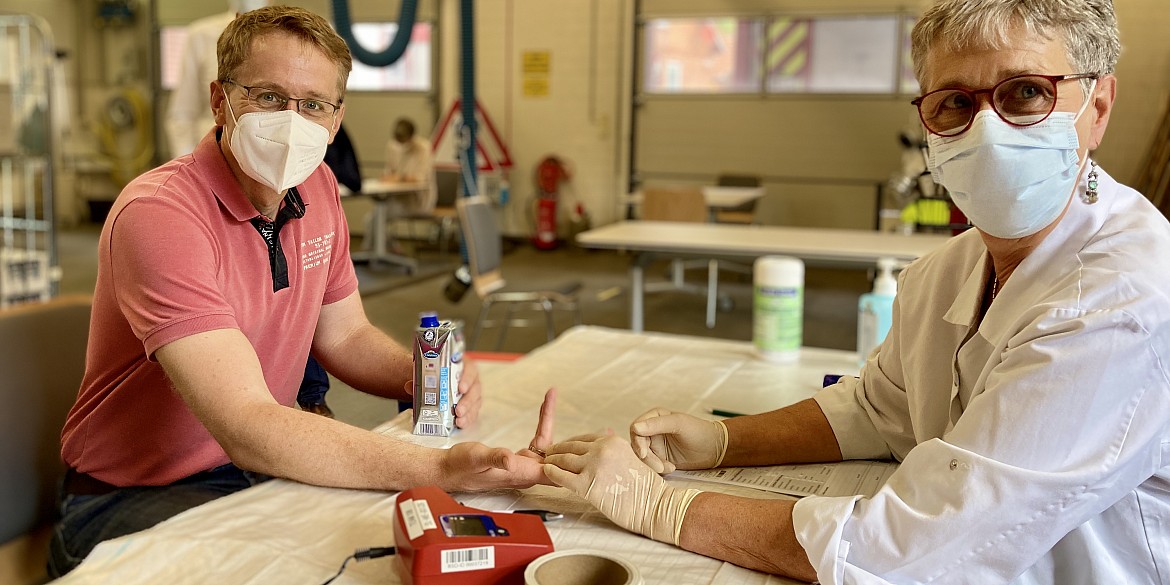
(1090, 196)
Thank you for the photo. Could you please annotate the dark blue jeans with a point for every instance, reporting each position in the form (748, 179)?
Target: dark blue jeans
(89, 520)
(315, 384)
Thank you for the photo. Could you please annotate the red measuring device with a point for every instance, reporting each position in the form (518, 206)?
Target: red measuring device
(441, 541)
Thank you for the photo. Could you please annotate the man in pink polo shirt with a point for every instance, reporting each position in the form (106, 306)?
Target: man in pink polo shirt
(218, 273)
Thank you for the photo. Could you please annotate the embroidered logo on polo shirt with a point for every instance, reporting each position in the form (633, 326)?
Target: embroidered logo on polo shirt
(317, 251)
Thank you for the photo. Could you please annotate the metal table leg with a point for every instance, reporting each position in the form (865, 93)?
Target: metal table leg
(637, 292)
(379, 251)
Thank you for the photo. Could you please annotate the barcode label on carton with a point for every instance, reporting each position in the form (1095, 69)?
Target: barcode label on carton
(468, 559)
(430, 429)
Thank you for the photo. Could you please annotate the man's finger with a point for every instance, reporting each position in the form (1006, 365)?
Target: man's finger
(470, 376)
(526, 473)
(467, 411)
(466, 420)
(491, 458)
(529, 453)
(547, 421)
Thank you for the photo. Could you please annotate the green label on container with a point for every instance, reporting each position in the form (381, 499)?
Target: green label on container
(778, 318)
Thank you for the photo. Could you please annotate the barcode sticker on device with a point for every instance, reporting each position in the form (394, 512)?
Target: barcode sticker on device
(468, 559)
(410, 519)
(430, 429)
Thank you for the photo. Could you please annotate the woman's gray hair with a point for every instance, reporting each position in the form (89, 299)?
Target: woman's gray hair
(1088, 28)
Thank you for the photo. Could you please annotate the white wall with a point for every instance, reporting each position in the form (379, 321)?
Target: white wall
(580, 120)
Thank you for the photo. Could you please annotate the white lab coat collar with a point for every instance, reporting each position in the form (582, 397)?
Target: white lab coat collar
(966, 305)
(1069, 237)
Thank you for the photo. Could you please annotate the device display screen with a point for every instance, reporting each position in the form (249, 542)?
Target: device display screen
(466, 525)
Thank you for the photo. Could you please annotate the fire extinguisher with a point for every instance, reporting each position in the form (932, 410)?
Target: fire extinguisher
(549, 175)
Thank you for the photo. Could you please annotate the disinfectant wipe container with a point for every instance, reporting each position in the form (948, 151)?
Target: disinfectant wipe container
(778, 309)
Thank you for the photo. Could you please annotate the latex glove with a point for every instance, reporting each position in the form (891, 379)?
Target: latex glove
(667, 440)
(603, 469)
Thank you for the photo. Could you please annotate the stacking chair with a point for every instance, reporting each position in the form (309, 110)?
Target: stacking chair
(443, 217)
(684, 204)
(42, 360)
(745, 213)
(444, 214)
(477, 222)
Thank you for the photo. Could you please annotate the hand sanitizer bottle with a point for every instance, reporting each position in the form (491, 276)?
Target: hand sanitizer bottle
(875, 310)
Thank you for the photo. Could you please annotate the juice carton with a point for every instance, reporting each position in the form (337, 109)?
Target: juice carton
(438, 364)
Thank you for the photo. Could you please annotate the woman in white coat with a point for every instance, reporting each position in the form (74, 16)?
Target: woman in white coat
(1024, 385)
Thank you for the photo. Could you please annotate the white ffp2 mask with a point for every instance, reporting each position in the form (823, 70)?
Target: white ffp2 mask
(278, 149)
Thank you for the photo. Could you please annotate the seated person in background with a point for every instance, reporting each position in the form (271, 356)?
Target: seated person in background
(218, 273)
(1025, 383)
(409, 160)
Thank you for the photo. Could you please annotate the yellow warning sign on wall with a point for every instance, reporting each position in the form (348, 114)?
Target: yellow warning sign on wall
(536, 66)
(536, 62)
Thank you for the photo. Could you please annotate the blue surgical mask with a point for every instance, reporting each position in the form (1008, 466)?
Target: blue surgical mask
(1010, 181)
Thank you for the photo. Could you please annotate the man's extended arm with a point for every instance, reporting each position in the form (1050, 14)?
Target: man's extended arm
(219, 377)
(361, 355)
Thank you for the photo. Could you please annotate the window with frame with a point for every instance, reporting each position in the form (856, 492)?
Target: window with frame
(909, 83)
(410, 73)
(854, 54)
(172, 40)
(702, 55)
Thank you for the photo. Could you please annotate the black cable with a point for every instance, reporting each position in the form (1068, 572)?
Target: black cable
(362, 555)
(374, 553)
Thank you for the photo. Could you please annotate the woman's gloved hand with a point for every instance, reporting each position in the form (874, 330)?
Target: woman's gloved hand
(667, 440)
(604, 470)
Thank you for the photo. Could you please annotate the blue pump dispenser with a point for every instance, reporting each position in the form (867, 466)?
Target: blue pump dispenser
(875, 310)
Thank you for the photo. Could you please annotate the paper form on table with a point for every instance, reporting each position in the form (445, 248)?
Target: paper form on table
(847, 478)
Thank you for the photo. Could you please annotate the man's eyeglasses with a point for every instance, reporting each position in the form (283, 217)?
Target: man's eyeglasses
(270, 100)
(1022, 100)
